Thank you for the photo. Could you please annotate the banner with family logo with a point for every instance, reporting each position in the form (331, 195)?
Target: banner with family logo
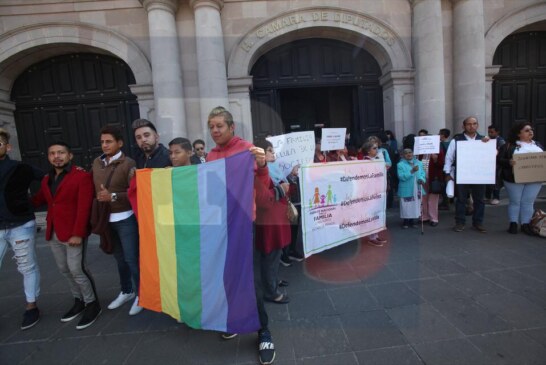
(340, 202)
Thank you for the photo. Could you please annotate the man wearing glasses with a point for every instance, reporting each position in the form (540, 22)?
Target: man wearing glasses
(199, 154)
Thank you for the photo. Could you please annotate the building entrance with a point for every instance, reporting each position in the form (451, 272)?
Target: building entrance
(313, 83)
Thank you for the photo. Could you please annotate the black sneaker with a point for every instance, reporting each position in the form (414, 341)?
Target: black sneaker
(30, 318)
(75, 311)
(266, 349)
(285, 261)
(90, 314)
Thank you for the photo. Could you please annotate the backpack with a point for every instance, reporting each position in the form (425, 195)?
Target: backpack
(538, 223)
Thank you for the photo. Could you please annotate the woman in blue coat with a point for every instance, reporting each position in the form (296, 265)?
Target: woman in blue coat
(411, 176)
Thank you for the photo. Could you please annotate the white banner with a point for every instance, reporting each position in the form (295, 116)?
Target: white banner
(476, 162)
(333, 139)
(426, 145)
(340, 202)
(293, 149)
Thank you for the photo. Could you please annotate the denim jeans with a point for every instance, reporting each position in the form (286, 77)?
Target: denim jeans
(21, 240)
(124, 235)
(478, 192)
(522, 197)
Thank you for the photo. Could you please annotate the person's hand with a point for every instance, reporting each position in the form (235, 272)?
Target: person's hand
(512, 162)
(485, 139)
(448, 178)
(295, 170)
(415, 169)
(285, 187)
(434, 157)
(104, 195)
(74, 241)
(259, 155)
(420, 182)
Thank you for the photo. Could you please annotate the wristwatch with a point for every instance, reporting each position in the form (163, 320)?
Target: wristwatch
(114, 197)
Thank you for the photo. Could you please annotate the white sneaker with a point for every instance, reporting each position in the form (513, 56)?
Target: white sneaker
(135, 308)
(494, 202)
(120, 300)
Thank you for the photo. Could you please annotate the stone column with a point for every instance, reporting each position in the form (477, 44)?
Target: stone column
(145, 98)
(398, 102)
(468, 62)
(428, 51)
(490, 72)
(239, 106)
(170, 114)
(211, 62)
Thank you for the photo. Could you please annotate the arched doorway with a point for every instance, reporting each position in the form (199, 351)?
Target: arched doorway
(70, 97)
(314, 83)
(519, 89)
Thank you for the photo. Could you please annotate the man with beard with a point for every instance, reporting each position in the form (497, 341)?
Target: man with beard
(150, 152)
(68, 191)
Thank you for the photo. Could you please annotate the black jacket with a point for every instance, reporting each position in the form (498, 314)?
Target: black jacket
(15, 180)
(158, 158)
(506, 153)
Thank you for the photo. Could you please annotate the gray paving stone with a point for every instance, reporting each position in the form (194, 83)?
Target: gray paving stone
(380, 274)
(304, 304)
(433, 289)
(352, 299)
(444, 266)
(421, 323)
(56, 352)
(537, 272)
(400, 355)
(538, 335)
(394, 295)
(469, 317)
(515, 309)
(473, 284)
(345, 359)
(368, 330)
(512, 279)
(511, 258)
(453, 352)
(474, 262)
(108, 349)
(535, 295)
(411, 270)
(318, 337)
(16, 353)
(510, 348)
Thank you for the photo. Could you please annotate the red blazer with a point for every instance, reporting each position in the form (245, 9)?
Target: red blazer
(69, 210)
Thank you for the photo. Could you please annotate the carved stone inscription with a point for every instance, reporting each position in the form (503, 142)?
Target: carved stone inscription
(309, 18)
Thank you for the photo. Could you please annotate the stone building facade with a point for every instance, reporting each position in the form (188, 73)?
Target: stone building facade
(68, 67)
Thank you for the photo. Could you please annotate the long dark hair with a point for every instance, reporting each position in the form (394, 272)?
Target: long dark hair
(515, 130)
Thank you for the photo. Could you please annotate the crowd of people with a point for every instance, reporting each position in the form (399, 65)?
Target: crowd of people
(102, 201)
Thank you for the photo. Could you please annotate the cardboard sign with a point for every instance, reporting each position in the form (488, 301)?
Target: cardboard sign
(293, 149)
(530, 167)
(426, 145)
(333, 139)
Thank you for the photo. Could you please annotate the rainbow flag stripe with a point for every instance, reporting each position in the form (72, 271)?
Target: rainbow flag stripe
(195, 225)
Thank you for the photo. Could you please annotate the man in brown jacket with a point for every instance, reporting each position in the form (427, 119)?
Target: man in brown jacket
(112, 172)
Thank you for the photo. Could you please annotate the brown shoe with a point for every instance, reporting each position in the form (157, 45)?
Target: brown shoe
(458, 228)
(479, 228)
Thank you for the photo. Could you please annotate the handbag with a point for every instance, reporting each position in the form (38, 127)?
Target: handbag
(436, 186)
(291, 212)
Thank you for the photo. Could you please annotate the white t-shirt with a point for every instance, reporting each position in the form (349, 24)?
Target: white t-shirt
(526, 147)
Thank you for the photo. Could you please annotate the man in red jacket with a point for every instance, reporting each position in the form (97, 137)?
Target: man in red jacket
(68, 191)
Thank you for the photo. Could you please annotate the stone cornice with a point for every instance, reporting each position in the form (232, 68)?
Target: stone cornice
(216, 4)
(168, 5)
(239, 84)
(397, 77)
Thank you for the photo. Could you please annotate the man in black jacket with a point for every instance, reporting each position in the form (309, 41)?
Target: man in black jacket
(18, 224)
(150, 153)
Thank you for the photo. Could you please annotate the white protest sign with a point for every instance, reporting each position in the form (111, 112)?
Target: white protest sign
(476, 162)
(293, 149)
(426, 145)
(340, 202)
(333, 139)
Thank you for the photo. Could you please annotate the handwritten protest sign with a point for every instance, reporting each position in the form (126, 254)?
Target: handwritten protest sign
(530, 167)
(333, 139)
(476, 162)
(426, 145)
(340, 202)
(293, 149)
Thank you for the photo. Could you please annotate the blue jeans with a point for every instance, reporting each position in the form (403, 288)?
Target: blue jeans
(124, 235)
(21, 240)
(522, 198)
(478, 192)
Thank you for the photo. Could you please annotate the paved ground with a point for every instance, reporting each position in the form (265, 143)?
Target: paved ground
(437, 298)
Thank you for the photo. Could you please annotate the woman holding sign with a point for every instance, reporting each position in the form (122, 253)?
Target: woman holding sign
(521, 195)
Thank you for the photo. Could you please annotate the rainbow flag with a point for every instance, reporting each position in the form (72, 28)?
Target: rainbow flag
(195, 225)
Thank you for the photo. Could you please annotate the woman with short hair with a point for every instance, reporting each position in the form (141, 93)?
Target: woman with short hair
(410, 188)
